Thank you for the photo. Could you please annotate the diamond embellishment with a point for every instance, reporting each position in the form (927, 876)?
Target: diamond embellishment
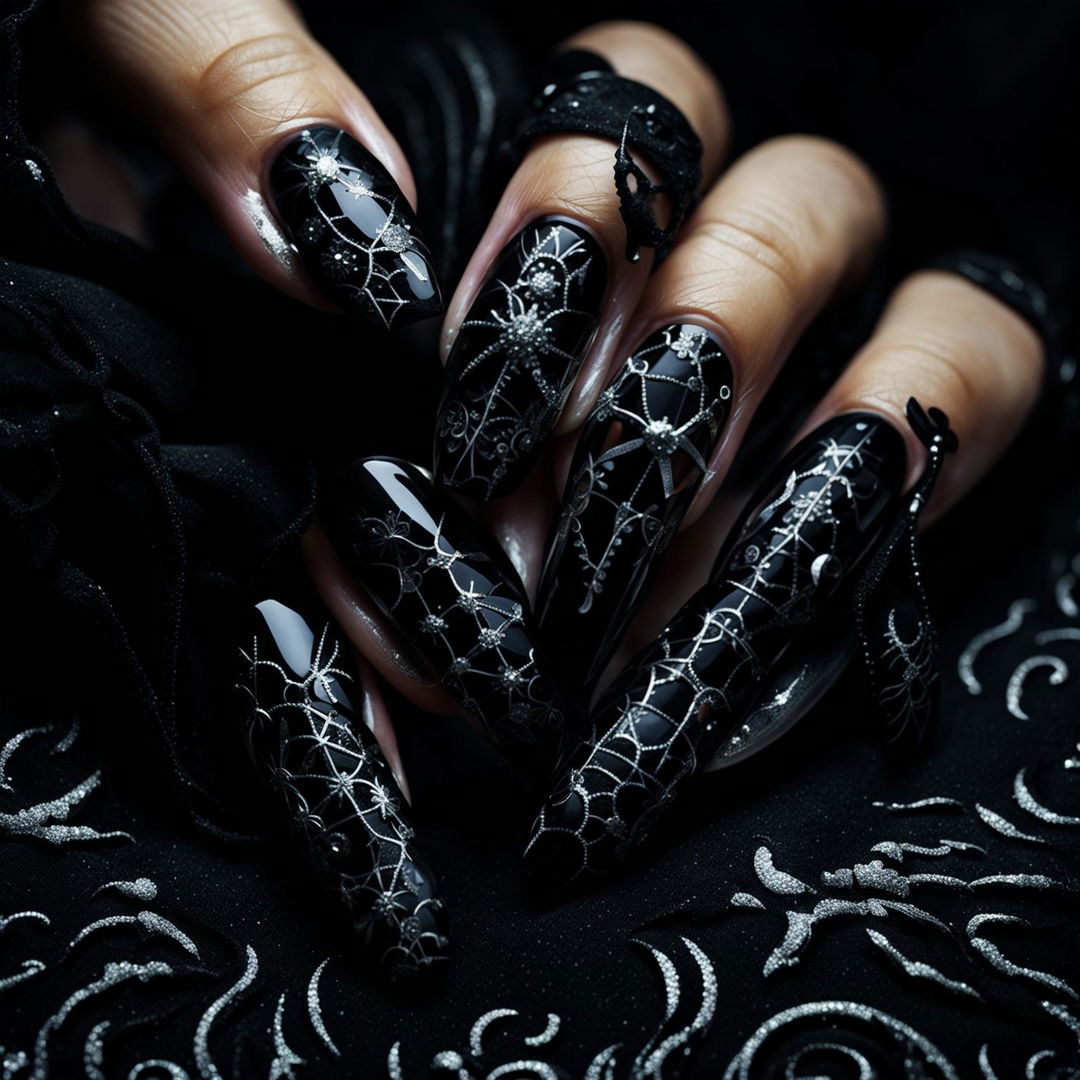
(395, 237)
(661, 438)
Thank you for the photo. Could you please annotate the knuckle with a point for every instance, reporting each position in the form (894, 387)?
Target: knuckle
(271, 68)
(731, 239)
(945, 372)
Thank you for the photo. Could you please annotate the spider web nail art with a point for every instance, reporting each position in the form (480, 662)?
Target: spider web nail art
(682, 696)
(517, 355)
(354, 228)
(452, 596)
(339, 792)
(643, 453)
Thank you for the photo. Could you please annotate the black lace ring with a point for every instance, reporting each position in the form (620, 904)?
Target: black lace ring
(583, 94)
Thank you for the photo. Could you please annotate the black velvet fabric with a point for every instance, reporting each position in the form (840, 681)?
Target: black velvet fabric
(165, 417)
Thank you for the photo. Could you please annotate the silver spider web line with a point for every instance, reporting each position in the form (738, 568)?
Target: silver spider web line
(488, 429)
(346, 255)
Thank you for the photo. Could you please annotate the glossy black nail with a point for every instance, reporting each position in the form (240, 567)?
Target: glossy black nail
(452, 595)
(308, 740)
(353, 228)
(517, 355)
(810, 526)
(639, 461)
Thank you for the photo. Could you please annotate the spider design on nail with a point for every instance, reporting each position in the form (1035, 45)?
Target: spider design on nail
(669, 401)
(517, 355)
(337, 788)
(680, 699)
(355, 230)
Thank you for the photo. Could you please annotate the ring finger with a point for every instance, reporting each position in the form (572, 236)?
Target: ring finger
(785, 228)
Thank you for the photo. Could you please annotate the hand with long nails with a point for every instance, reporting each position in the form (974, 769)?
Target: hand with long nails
(574, 576)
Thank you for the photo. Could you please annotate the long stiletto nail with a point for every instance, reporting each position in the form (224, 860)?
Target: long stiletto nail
(517, 355)
(308, 740)
(353, 228)
(452, 595)
(639, 462)
(811, 525)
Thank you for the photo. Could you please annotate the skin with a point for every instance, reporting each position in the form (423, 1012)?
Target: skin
(777, 235)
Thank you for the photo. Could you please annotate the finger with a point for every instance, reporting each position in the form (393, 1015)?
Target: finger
(953, 344)
(309, 739)
(784, 228)
(811, 526)
(546, 294)
(309, 184)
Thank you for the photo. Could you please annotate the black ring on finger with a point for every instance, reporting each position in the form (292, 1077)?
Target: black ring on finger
(584, 95)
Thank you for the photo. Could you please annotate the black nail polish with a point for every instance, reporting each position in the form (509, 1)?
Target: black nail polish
(639, 461)
(309, 741)
(809, 528)
(517, 355)
(353, 228)
(452, 595)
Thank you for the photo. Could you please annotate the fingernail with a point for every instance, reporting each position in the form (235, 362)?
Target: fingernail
(640, 459)
(451, 594)
(353, 228)
(811, 524)
(516, 356)
(309, 740)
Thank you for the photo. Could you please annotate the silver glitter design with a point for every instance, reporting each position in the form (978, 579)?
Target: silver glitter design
(268, 232)
(139, 889)
(922, 1057)
(94, 1051)
(934, 802)
(9, 748)
(966, 664)
(281, 1068)
(1064, 591)
(486, 430)
(201, 1048)
(918, 970)
(148, 920)
(44, 820)
(746, 900)
(35, 170)
(549, 1032)
(314, 1006)
(30, 968)
(1014, 691)
(113, 975)
(776, 881)
(994, 956)
(1004, 827)
(7, 920)
(395, 236)
(1032, 805)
